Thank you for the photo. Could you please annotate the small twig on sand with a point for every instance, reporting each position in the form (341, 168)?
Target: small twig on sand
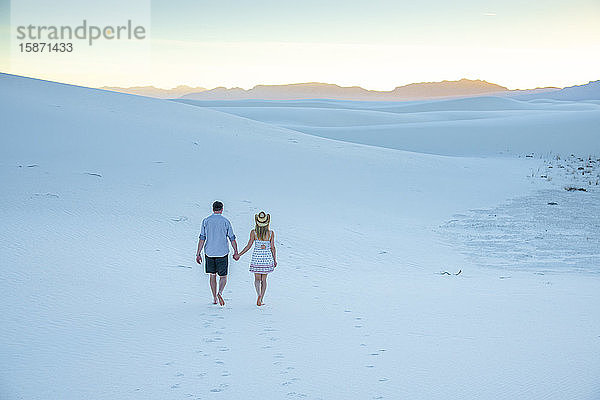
(448, 273)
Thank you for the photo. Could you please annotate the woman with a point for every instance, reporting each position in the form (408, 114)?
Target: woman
(263, 257)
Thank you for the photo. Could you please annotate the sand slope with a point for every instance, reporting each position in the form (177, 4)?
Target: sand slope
(103, 195)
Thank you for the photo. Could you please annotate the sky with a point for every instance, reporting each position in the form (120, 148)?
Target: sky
(376, 44)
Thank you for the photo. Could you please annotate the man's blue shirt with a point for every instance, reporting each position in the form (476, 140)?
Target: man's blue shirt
(215, 231)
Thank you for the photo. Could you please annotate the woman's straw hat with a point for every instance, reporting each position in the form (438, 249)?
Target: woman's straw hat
(262, 219)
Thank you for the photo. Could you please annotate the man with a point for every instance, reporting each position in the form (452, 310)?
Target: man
(213, 237)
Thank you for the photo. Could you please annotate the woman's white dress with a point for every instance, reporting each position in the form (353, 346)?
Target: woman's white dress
(262, 258)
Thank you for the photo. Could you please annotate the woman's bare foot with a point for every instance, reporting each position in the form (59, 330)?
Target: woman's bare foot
(215, 301)
(220, 298)
(259, 301)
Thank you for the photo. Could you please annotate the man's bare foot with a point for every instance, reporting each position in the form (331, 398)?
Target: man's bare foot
(220, 298)
(215, 301)
(259, 301)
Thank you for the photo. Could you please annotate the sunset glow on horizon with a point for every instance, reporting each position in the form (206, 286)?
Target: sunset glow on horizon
(377, 45)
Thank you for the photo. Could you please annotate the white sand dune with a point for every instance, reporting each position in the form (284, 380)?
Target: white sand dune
(470, 126)
(103, 195)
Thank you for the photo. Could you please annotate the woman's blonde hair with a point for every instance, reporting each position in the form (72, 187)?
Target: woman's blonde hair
(262, 232)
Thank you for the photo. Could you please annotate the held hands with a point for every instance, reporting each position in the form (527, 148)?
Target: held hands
(198, 258)
(236, 256)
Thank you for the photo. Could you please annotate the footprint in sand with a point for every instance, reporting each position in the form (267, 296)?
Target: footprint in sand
(178, 266)
(50, 195)
(378, 353)
(221, 388)
(296, 395)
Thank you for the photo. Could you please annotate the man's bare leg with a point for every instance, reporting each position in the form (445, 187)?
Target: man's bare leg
(222, 283)
(213, 287)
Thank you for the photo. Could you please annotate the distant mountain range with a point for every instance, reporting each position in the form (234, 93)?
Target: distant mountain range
(589, 91)
(413, 91)
(151, 91)
(315, 90)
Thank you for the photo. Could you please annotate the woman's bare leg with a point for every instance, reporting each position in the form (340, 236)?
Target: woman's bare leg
(263, 285)
(257, 283)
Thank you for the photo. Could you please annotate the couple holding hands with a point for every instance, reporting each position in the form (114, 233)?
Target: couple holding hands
(215, 231)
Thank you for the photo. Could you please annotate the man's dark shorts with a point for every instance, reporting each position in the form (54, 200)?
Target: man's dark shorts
(217, 265)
